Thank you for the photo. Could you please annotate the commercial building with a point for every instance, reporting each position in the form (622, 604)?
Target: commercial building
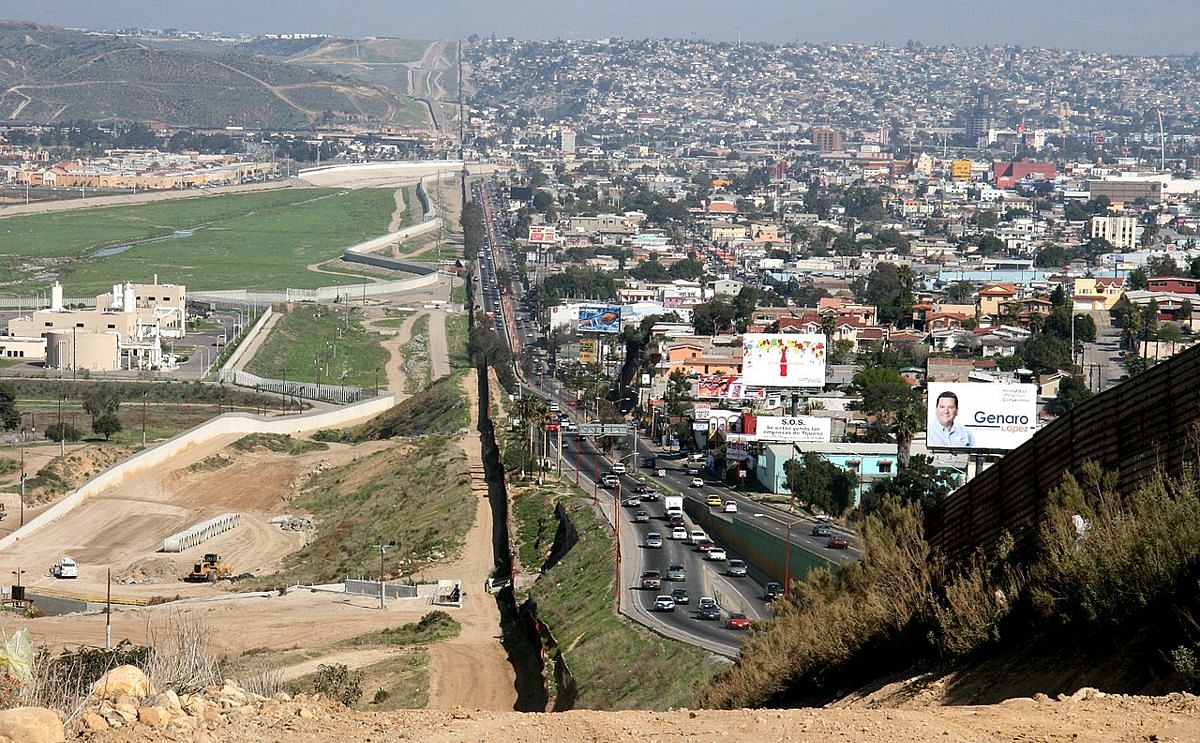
(1121, 232)
(1127, 190)
(826, 139)
(868, 462)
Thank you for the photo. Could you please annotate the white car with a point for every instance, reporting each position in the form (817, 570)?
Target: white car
(679, 533)
(730, 506)
(697, 482)
(664, 603)
(716, 553)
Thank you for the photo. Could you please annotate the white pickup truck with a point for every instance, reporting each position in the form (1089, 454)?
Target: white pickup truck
(65, 568)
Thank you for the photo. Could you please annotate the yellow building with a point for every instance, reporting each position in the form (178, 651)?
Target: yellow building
(960, 171)
(1092, 294)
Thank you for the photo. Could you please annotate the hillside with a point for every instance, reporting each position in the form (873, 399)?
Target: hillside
(52, 74)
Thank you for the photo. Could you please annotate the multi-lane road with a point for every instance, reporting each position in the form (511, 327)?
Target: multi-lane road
(582, 462)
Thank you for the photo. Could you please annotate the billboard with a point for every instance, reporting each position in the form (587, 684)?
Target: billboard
(542, 234)
(600, 319)
(783, 359)
(792, 429)
(968, 415)
(727, 387)
(588, 351)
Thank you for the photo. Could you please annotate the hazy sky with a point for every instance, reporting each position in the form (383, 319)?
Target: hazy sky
(1121, 26)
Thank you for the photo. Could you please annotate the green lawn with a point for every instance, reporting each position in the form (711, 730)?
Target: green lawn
(329, 338)
(261, 240)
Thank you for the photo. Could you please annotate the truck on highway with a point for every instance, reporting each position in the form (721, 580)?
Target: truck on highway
(673, 503)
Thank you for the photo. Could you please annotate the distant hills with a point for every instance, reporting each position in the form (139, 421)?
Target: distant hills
(50, 74)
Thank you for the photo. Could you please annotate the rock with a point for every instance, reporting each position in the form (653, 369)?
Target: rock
(281, 696)
(196, 706)
(123, 680)
(30, 725)
(305, 713)
(155, 717)
(169, 701)
(212, 715)
(95, 723)
(126, 712)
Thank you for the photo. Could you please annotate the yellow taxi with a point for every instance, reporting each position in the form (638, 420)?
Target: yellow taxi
(713, 500)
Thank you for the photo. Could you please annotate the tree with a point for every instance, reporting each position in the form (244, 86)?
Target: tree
(1071, 392)
(744, 305)
(1162, 265)
(679, 389)
(100, 400)
(960, 292)
(990, 245)
(542, 200)
(1051, 256)
(1136, 280)
(650, 270)
(1046, 353)
(711, 317)
(817, 481)
(106, 425)
(10, 417)
(62, 432)
(687, 269)
(920, 482)
(883, 391)
(889, 287)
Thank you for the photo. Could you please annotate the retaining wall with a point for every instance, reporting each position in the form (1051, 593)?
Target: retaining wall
(229, 423)
(758, 547)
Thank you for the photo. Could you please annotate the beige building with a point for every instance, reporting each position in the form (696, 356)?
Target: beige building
(125, 331)
(30, 349)
(1121, 232)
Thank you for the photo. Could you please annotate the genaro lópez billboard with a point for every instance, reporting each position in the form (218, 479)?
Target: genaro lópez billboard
(966, 415)
(783, 359)
(600, 319)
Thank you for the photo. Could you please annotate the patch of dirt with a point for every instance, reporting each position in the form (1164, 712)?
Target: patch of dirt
(63, 474)
(152, 571)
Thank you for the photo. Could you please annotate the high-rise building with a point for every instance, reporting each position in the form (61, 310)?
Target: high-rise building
(980, 119)
(1121, 232)
(566, 139)
(826, 139)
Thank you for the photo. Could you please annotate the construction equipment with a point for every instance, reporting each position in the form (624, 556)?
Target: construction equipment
(209, 570)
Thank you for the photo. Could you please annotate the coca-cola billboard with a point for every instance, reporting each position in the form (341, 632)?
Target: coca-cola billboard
(783, 360)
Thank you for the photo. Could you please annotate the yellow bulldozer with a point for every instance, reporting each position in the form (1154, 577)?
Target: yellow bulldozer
(209, 570)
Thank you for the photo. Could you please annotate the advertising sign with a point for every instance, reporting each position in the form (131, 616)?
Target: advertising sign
(793, 429)
(783, 359)
(542, 234)
(727, 387)
(600, 319)
(587, 351)
(967, 415)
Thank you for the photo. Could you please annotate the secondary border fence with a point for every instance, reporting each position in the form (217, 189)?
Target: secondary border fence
(333, 393)
(1131, 430)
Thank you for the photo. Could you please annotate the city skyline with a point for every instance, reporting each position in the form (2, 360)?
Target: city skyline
(1102, 25)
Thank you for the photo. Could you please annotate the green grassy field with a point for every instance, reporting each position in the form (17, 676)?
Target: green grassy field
(258, 240)
(330, 338)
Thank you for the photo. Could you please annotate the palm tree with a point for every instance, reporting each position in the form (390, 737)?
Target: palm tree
(532, 411)
(907, 423)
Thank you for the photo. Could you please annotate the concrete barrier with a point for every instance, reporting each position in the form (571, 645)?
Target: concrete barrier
(200, 533)
(230, 423)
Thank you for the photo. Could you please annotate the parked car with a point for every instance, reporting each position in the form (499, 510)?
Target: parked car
(664, 603)
(822, 530)
(730, 506)
(707, 608)
(772, 590)
(838, 543)
(681, 596)
(736, 568)
(652, 579)
(676, 571)
(679, 532)
(654, 540)
(697, 482)
(738, 621)
(641, 517)
(716, 554)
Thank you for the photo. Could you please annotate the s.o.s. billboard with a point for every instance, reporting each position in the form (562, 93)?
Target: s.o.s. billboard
(980, 416)
(783, 359)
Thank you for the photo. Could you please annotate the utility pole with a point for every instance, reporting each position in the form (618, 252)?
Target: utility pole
(108, 614)
(62, 436)
(144, 394)
(382, 600)
(22, 506)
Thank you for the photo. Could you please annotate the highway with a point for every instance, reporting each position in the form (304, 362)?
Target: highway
(582, 462)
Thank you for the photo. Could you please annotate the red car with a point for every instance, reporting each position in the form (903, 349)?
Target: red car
(704, 545)
(838, 543)
(738, 621)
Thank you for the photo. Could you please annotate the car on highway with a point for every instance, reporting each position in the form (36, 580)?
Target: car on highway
(707, 608)
(641, 517)
(631, 501)
(619, 468)
(664, 603)
(676, 571)
(679, 532)
(697, 482)
(736, 568)
(660, 472)
(681, 596)
(610, 481)
(822, 530)
(651, 579)
(675, 519)
(654, 540)
(704, 545)
(737, 621)
(712, 500)
(696, 536)
(650, 495)
(838, 543)
(693, 471)
(715, 554)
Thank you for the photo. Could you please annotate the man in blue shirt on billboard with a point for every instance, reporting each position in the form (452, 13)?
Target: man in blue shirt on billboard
(948, 432)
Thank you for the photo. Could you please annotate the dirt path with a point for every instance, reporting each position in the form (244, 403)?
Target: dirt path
(352, 659)
(439, 349)
(396, 378)
(398, 215)
(472, 670)
(257, 341)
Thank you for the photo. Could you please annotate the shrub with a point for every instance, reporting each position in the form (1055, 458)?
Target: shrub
(338, 682)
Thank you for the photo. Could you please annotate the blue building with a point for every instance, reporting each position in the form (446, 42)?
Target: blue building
(868, 462)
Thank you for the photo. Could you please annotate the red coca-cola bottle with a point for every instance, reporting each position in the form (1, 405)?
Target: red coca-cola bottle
(783, 361)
